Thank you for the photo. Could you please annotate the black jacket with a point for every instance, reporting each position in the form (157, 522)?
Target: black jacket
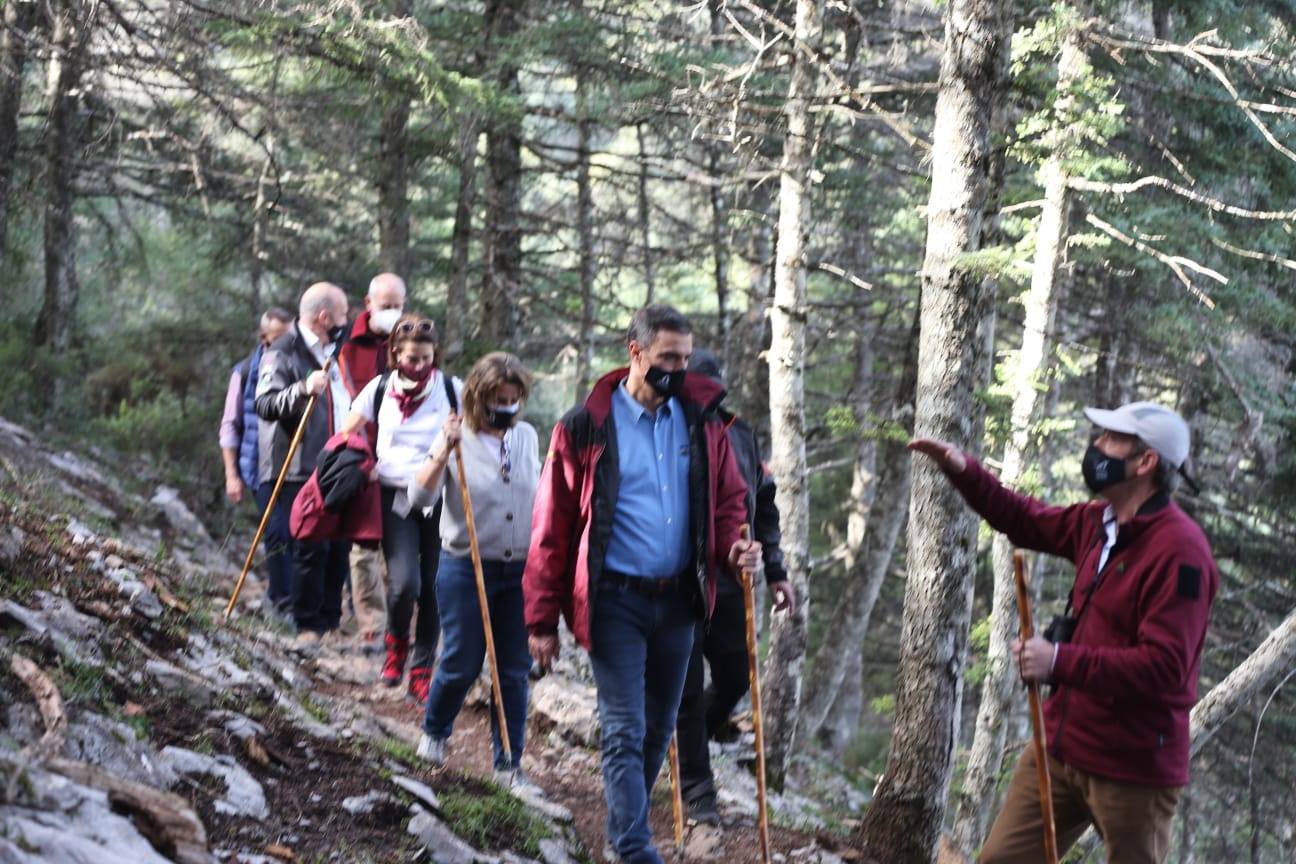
(280, 400)
(762, 511)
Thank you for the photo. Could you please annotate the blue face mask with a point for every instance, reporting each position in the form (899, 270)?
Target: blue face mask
(502, 416)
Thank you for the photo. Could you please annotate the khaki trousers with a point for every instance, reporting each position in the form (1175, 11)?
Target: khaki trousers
(368, 594)
(1134, 821)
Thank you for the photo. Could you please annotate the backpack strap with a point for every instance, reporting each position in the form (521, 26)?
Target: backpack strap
(382, 391)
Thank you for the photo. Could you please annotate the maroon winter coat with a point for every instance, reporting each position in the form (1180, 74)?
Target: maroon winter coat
(1125, 683)
(575, 502)
(363, 356)
(360, 521)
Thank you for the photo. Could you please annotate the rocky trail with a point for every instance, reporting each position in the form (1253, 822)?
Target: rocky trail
(135, 727)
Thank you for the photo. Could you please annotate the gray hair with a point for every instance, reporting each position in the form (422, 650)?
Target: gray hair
(651, 319)
(1165, 477)
(320, 297)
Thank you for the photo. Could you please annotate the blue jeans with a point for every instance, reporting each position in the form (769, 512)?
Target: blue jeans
(641, 648)
(463, 648)
(276, 546)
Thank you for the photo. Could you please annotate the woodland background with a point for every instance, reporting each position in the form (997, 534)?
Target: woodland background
(1121, 177)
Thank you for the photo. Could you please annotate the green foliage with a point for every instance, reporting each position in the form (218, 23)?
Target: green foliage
(491, 818)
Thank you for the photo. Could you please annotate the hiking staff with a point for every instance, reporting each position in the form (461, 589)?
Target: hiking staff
(274, 495)
(677, 799)
(481, 600)
(758, 725)
(1036, 715)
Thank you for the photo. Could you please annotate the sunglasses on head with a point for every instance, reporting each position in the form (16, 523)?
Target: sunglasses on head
(423, 327)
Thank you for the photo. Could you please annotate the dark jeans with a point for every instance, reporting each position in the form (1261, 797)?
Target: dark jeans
(319, 570)
(412, 547)
(641, 647)
(276, 547)
(464, 648)
(703, 714)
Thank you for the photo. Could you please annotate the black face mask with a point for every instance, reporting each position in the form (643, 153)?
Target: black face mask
(1100, 470)
(667, 384)
(501, 418)
(335, 333)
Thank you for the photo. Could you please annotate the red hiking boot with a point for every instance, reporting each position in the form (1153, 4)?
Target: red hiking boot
(419, 683)
(394, 667)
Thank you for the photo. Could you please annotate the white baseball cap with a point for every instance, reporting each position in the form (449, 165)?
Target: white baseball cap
(1155, 425)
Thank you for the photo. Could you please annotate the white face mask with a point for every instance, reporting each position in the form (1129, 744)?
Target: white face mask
(384, 321)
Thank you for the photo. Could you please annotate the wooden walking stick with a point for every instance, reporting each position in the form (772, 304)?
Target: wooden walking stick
(677, 796)
(274, 495)
(1036, 716)
(758, 725)
(485, 609)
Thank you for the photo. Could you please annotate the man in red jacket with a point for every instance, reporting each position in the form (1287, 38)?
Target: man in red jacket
(639, 502)
(362, 358)
(1125, 676)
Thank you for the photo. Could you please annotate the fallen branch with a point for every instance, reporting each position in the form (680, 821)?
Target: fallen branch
(166, 820)
(48, 701)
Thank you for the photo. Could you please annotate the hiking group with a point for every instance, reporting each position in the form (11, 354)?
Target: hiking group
(634, 530)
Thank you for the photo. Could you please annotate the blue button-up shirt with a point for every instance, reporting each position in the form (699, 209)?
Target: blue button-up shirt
(650, 528)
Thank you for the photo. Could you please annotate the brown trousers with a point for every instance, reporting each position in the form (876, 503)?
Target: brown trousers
(368, 594)
(1134, 821)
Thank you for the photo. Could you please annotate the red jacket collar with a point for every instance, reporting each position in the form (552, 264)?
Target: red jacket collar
(362, 330)
(701, 390)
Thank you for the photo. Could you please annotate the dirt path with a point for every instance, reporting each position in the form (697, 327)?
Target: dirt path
(570, 775)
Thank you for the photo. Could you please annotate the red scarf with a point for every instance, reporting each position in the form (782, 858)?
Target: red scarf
(409, 394)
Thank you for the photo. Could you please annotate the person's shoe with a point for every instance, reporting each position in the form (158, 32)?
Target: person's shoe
(703, 810)
(369, 642)
(516, 781)
(307, 643)
(420, 680)
(432, 749)
(394, 667)
(609, 855)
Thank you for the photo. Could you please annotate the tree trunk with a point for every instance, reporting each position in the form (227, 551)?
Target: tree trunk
(903, 824)
(1030, 389)
(457, 320)
(645, 219)
(392, 182)
(503, 238)
(719, 251)
(782, 683)
(261, 204)
(13, 63)
(57, 319)
(868, 562)
(585, 238)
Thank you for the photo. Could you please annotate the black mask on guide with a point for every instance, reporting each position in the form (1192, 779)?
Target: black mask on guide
(335, 333)
(1100, 470)
(667, 384)
(499, 417)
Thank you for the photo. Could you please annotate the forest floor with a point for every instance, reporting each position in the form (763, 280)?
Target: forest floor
(216, 742)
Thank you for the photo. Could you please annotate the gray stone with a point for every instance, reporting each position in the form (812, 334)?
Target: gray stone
(570, 705)
(443, 846)
(360, 804)
(243, 794)
(421, 791)
(554, 851)
(236, 724)
(180, 517)
(74, 635)
(113, 746)
(55, 819)
(11, 544)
